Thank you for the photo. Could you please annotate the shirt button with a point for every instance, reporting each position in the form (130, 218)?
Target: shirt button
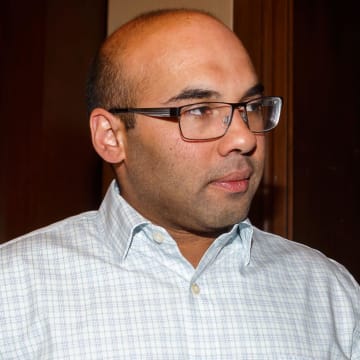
(158, 237)
(195, 289)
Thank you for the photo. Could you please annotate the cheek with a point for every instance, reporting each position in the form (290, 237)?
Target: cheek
(258, 158)
(184, 162)
(157, 154)
(185, 166)
(262, 150)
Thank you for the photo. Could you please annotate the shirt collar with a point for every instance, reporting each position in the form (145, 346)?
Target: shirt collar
(120, 222)
(237, 240)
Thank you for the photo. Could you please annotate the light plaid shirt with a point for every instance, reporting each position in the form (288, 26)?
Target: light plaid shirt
(108, 284)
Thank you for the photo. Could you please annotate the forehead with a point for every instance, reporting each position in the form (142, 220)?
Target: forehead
(184, 52)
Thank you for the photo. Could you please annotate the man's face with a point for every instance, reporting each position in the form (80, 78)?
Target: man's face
(195, 187)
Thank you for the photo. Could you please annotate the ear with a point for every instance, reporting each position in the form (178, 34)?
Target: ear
(108, 135)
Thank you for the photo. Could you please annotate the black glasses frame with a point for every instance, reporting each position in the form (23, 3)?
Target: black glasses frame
(169, 113)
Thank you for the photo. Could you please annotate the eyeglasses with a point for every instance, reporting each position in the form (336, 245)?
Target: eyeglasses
(210, 120)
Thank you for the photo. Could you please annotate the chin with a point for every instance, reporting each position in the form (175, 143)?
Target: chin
(228, 219)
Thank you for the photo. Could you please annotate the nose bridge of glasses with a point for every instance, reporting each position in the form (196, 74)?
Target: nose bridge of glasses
(231, 109)
(227, 118)
(240, 109)
(235, 113)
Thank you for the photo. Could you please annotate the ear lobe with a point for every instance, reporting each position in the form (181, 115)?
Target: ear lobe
(108, 136)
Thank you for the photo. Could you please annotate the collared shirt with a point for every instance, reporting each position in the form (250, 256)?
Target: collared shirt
(108, 284)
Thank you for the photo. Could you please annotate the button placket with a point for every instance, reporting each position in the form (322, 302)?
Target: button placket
(195, 289)
(158, 237)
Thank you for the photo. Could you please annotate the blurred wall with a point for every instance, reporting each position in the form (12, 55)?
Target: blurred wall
(327, 128)
(50, 171)
(121, 11)
(48, 167)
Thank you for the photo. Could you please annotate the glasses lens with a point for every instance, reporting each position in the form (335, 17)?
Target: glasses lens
(205, 120)
(210, 120)
(263, 114)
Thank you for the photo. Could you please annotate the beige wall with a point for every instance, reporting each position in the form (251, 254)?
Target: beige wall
(120, 11)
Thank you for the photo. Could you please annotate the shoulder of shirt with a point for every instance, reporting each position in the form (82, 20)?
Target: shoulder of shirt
(58, 226)
(300, 258)
(70, 232)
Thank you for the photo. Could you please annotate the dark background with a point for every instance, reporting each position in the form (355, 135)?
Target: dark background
(327, 128)
(50, 171)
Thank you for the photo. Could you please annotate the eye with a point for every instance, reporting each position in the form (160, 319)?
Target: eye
(199, 110)
(254, 106)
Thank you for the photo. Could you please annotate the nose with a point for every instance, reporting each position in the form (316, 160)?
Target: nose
(238, 137)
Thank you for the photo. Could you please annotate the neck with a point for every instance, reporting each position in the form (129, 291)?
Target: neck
(192, 246)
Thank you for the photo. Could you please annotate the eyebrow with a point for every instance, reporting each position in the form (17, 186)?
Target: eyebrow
(257, 89)
(193, 93)
(197, 93)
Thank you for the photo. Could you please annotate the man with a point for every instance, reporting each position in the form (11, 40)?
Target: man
(170, 267)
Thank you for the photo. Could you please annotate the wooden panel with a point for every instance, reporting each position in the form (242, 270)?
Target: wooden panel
(327, 128)
(121, 11)
(21, 102)
(265, 27)
(49, 169)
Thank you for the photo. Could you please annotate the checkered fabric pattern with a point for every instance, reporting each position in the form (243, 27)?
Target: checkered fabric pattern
(109, 284)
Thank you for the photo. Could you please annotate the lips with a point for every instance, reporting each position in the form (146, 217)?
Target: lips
(235, 182)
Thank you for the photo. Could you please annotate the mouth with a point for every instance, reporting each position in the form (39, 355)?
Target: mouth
(236, 182)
